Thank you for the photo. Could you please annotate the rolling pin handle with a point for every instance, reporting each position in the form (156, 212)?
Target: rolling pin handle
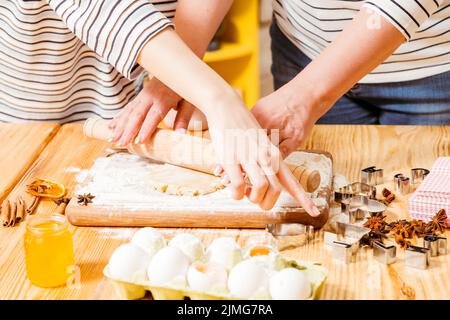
(309, 179)
(97, 129)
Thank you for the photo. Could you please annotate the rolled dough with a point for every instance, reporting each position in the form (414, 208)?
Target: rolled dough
(180, 181)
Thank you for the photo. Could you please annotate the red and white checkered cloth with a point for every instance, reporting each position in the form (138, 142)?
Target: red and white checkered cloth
(433, 194)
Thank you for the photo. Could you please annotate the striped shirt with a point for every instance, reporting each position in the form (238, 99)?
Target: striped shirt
(313, 24)
(67, 60)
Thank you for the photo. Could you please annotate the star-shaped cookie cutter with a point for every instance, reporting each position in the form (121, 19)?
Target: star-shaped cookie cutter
(358, 201)
(354, 189)
(360, 206)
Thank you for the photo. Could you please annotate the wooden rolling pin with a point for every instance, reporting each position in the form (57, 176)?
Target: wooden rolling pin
(184, 150)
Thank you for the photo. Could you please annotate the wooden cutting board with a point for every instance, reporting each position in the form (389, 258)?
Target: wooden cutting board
(216, 210)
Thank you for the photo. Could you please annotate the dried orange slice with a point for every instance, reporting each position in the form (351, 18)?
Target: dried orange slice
(46, 189)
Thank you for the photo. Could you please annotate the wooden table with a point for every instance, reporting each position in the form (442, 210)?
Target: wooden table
(394, 148)
(20, 147)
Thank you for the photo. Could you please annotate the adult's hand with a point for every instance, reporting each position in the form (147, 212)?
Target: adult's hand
(295, 107)
(287, 114)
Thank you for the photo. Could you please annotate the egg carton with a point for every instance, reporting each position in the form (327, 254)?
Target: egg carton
(134, 290)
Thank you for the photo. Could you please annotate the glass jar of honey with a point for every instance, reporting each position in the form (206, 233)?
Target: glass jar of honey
(48, 250)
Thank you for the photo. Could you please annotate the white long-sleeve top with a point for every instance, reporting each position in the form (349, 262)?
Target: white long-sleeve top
(313, 24)
(67, 60)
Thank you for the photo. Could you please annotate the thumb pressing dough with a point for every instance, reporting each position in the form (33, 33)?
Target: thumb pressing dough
(180, 181)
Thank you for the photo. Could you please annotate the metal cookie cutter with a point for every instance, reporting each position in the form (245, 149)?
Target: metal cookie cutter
(385, 254)
(417, 257)
(437, 245)
(356, 188)
(344, 252)
(360, 206)
(372, 176)
(344, 232)
(344, 240)
(291, 235)
(401, 183)
(418, 175)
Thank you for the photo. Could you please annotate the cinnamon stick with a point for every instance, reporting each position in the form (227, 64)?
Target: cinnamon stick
(33, 205)
(12, 215)
(20, 214)
(6, 212)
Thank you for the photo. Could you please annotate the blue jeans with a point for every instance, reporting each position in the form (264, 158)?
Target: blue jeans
(420, 102)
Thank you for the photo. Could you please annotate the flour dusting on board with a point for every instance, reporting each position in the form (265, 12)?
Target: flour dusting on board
(120, 181)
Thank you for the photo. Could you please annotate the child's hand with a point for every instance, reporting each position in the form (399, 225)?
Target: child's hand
(243, 149)
(141, 116)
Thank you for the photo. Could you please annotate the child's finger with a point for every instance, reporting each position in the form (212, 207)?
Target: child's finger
(237, 184)
(259, 182)
(291, 184)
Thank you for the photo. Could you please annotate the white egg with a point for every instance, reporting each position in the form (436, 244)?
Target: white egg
(258, 250)
(168, 267)
(225, 252)
(128, 262)
(207, 277)
(290, 284)
(191, 246)
(265, 255)
(248, 279)
(149, 239)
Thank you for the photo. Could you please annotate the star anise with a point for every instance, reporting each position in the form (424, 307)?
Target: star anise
(402, 228)
(85, 199)
(38, 188)
(438, 223)
(421, 228)
(376, 223)
(402, 242)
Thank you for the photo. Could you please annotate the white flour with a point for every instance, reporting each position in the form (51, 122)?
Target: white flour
(119, 181)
